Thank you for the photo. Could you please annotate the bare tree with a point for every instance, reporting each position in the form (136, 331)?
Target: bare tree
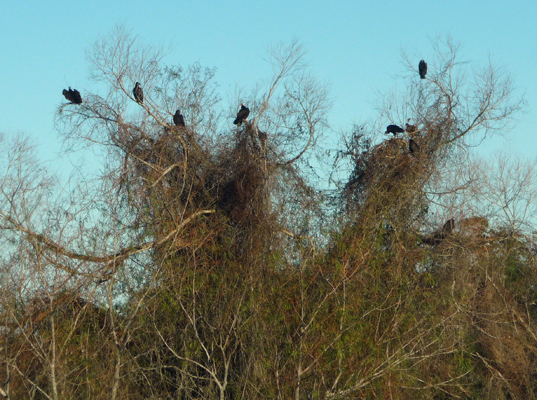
(116, 240)
(506, 191)
(199, 263)
(394, 194)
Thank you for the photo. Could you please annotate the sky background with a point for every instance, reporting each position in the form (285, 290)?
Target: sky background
(355, 46)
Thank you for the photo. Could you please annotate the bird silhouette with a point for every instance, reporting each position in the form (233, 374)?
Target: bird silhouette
(413, 146)
(178, 118)
(395, 129)
(242, 115)
(138, 93)
(72, 95)
(422, 69)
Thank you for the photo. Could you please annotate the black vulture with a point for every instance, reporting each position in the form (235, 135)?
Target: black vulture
(413, 146)
(178, 118)
(395, 129)
(68, 95)
(423, 69)
(72, 95)
(138, 93)
(242, 115)
(77, 97)
(448, 227)
(437, 237)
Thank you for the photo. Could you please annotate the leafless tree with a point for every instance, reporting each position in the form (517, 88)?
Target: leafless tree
(506, 191)
(108, 240)
(196, 263)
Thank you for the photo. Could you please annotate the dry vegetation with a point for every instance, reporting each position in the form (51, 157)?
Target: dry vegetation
(204, 262)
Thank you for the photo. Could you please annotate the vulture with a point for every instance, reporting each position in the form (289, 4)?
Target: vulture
(242, 115)
(395, 129)
(422, 69)
(178, 118)
(138, 93)
(437, 237)
(413, 146)
(448, 227)
(72, 95)
(68, 94)
(77, 97)
(411, 128)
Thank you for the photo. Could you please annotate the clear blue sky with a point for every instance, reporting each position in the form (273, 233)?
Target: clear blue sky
(353, 45)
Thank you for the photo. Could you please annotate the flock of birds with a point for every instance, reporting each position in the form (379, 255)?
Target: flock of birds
(413, 147)
(74, 97)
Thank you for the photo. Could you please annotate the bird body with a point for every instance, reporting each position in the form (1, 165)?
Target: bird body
(422, 69)
(448, 227)
(72, 95)
(77, 97)
(437, 237)
(242, 115)
(411, 128)
(178, 118)
(138, 93)
(395, 129)
(67, 94)
(413, 146)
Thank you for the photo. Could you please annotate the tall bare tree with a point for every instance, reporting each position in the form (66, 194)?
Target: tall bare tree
(197, 263)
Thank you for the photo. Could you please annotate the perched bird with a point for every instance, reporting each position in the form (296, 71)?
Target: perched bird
(395, 129)
(411, 128)
(422, 69)
(68, 95)
(437, 237)
(138, 93)
(242, 115)
(448, 227)
(413, 146)
(72, 95)
(178, 118)
(77, 97)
